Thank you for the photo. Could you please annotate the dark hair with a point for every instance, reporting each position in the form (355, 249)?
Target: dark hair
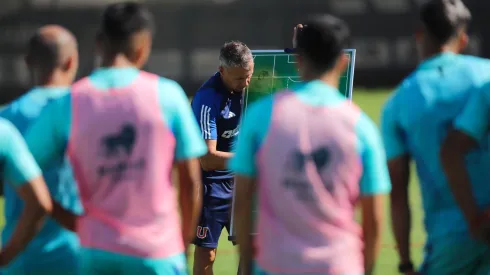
(235, 54)
(443, 19)
(322, 40)
(43, 53)
(122, 20)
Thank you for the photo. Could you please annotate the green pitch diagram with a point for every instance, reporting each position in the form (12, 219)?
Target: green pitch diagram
(276, 70)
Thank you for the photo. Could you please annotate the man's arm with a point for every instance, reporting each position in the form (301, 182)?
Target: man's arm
(401, 216)
(399, 171)
(471, 127)
(245, 167)
(207, 113)
(190, 196)
(245, 186)
(372, 225)
(375, 183)
(214, 159)
(453, 152)
(21, 170)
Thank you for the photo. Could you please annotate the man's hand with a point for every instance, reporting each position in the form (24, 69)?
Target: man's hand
(295, 34)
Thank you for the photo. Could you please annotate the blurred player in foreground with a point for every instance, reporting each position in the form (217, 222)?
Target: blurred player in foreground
(19, 169)
(123, 129)
(313, 156)
(465, 156)
(217, 106)
(415, 121)
(52, 59)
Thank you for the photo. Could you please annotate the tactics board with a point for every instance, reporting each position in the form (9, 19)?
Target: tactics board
(276, 70)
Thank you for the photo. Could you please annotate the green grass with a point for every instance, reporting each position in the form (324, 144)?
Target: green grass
(371, 102)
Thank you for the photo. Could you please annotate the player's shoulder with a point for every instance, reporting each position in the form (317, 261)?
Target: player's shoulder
(261, 107)
(366, 128)
(476, 60)
(207, 95)
(5, 125)
(9, 132)
(170, 94)
(479, 68)
(406, 91)
(168, 85)
(211, 87)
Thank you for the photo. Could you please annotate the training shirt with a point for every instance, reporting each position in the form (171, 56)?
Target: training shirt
(56, 120)
(55, 123)
(416, 120)
(218, 113)
(313, 154)
(17, 166)
(53, 244)
(474, 120)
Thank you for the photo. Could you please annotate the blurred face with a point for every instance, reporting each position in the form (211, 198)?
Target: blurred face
(237, 78)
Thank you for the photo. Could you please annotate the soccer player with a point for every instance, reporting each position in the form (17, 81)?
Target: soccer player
(52, 60)
(465, 157)
(123, 129)
(217, 106)
(415, 121)
(312, 155)
(19, 169)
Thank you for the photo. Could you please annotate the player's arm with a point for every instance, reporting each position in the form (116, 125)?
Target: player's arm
(47, 140)
(244, 166)
(189, 147)
(399, 170)
(375, 184)
(5, 113)
(470, 128)
(21, 170)
(207, 113)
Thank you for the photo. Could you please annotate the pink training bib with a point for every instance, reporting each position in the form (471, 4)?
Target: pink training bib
(309, 182)
(122, 155)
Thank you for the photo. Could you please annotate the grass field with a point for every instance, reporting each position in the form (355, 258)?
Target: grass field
(371, 102)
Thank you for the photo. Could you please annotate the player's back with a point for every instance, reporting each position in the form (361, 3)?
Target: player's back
(423, 109)
(310, 168)
(122, 149)
(53, 245)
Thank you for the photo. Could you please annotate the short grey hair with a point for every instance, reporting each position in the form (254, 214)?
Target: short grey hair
(235, 54)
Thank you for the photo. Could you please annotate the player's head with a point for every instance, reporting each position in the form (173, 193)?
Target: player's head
(52, 56)
(443, 27)
(236, 65)
(319, 45)
(126, 31)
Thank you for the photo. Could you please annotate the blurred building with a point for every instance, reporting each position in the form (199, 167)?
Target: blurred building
(190, 32)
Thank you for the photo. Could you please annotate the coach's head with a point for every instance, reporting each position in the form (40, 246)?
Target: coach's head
(125, 34)
(444, 26)
(319, 45)
(236, 65)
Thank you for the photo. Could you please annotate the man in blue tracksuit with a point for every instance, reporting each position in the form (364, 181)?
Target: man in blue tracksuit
(217, 106)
